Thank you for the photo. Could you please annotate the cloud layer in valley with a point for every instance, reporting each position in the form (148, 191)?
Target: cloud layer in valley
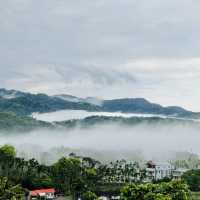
(156, 141)
(65, 115)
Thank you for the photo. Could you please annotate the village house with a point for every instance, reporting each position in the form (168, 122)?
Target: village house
(44, 194)
(157, 171)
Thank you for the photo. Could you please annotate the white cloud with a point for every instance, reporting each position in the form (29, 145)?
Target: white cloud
(156, 141)
(65, 115)
(103, 48)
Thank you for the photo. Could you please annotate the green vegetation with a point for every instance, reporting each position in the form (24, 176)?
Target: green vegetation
(92, 121)
(163, 191)
(89, 196)
(8, 150)
(192, 178)
(195, 196)
(86, 178)
(9, 191)
(122, 172)
(69, 175)
(11, 122)
(14, 123)
(26, 103)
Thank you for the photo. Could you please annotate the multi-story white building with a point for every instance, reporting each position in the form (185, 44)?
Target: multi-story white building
(158, 171)
(163, 170)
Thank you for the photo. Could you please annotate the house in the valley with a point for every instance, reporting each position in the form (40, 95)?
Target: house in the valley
(46, 194)
(158, 171)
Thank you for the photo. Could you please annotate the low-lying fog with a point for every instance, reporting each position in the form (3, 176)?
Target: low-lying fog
(81, 114)
(108, 142)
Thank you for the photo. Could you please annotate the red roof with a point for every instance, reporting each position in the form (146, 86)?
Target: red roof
(38, 192)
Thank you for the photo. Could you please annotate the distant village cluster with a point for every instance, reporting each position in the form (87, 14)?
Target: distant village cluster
(152, 171)
(121, 172)
(84, 178)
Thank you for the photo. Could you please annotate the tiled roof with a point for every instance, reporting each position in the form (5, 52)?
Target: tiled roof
(42, 191)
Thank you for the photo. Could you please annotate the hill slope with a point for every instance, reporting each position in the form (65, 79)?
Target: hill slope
(140, 105)
(25, 103)
(13, 123)
(10, 122)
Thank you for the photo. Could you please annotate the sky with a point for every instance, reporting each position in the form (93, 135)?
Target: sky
(103, 48)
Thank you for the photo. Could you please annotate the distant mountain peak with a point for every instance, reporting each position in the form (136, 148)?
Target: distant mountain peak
(67, 97)
(90, 100)
(9, 94)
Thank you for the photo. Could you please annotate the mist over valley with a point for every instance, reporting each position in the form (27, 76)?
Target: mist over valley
(52, 131)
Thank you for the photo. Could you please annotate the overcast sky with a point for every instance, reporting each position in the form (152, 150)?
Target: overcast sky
(103, 48)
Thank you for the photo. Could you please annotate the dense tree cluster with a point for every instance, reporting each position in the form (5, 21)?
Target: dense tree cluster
(122, 172)
(164, 191)
(68, 175)
(192, 178)
(9, 191)
(84, 176)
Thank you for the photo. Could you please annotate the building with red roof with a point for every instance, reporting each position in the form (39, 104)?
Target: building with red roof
(45, 193)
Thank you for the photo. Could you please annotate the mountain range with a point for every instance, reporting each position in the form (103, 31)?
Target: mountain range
(16, 108)
(23, 103)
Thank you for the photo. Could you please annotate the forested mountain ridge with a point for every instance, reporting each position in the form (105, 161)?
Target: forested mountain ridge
(141, 105)
(14, 123)
(11, 122)
(26, 103)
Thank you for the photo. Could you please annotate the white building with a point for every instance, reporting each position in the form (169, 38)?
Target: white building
(158, 171)
(163, 170)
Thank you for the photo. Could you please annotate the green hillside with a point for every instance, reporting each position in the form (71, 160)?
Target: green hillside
(12, 122)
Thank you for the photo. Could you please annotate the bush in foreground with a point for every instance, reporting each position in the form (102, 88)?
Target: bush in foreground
(89, 196)
(174, 190)
(9, 191)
